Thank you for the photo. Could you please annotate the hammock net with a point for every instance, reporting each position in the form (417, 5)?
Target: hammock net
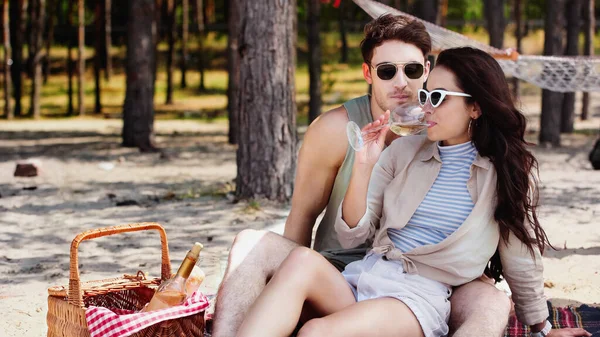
(556, 73)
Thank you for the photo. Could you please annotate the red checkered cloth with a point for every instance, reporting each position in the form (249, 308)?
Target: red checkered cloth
(567, 317)
(105, 322)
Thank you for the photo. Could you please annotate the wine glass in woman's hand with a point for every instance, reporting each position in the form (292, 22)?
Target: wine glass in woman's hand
(405, 120)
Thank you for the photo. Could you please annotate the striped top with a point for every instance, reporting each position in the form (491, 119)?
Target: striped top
(446, 205)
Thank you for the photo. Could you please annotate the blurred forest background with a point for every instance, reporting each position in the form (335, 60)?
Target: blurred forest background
(141, 60)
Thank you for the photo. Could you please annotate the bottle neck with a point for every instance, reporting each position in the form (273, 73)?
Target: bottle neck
(187, 266)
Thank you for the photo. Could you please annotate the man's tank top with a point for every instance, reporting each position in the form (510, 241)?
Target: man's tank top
(359, 111)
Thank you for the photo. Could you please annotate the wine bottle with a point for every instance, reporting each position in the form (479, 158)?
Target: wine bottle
(172, 292)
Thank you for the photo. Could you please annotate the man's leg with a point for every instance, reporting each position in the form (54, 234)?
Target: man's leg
(253, 259)
(478, 309)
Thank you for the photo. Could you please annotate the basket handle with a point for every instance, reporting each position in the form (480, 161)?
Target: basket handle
(75, 294)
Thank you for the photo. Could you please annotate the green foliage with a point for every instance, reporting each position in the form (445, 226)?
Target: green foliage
(469, 10)
(535, 9)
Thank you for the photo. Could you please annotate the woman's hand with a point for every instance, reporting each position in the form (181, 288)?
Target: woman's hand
(569, 332)
(374, 141)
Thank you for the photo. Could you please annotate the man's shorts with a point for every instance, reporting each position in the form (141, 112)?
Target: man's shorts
(340, 258)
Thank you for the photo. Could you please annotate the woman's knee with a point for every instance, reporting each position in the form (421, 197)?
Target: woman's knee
(300, 256)
(316, 327)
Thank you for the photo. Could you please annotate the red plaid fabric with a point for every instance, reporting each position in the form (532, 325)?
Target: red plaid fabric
(111, 322)
(568, 317)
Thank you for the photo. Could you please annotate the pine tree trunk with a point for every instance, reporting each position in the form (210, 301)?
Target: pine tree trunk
(108, 71)
(171, 23)
(157, 33)
(589, 20)
(70, 61)
(8, 112)
(552, 101)
(16, 12)
(138, 109)
(201, 33)
(442, 14)
(495, 21)
(185, 24)
(266, 155)
(233, 70)
(49, 40)
(209, 12)
(343, 32)
(98, 41)
(518, 15)
(37, 10)
(428, 10)
(27, 23)
(314, 59)
(81, 57)
(573, 14)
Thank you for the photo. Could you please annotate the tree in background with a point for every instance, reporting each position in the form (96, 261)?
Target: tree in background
(49, 40)
(185, 25)
(138, 108)
(172, 36)
(589, 22)
(343, 33)
(314, 59)
(81, 56)
(428, 10)
(573, 9)
(266, 155)
(70, 62)
(442, 14)
(495, 21)
(200, 19)
(16, 27)
(518, 16)
(233, 69)
(8, 112)
(552, 101)
(107, 39)
(98, 54)
(37, 12)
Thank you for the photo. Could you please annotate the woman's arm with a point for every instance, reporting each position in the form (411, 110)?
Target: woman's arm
(524, 273)
(362, 205)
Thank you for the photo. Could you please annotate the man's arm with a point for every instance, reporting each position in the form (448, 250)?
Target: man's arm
(321, 155)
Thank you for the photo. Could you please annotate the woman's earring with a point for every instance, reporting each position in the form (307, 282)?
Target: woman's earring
(470, 130)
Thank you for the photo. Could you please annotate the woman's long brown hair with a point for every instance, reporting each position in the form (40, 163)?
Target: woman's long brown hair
(499, 134)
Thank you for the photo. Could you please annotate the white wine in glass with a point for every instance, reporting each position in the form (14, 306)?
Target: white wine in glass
(405, 120)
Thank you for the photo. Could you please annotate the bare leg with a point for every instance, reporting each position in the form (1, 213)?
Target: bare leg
(305, 276)
(254, 258)
(383, 317)
(478, 309)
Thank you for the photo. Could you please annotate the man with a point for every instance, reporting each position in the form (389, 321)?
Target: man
(394, 51)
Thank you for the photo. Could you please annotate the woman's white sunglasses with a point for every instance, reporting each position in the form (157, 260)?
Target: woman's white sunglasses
(436, 97)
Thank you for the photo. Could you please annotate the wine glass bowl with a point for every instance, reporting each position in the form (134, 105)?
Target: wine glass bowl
(405, 120)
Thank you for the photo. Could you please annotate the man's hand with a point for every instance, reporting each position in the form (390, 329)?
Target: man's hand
(569, 332)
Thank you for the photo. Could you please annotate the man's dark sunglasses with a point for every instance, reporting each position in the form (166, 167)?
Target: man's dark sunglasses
(386, 71)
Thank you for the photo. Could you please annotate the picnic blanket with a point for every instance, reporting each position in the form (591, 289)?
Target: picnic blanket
(561, 317)
(583, 316)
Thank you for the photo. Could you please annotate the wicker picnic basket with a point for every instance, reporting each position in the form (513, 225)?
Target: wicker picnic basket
(67, 305)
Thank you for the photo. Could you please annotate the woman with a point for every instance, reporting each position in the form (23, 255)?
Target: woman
(438, 208)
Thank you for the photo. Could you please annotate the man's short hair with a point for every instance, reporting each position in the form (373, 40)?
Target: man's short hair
(394, 27)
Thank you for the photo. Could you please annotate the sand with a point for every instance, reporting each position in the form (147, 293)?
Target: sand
(85, 174)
